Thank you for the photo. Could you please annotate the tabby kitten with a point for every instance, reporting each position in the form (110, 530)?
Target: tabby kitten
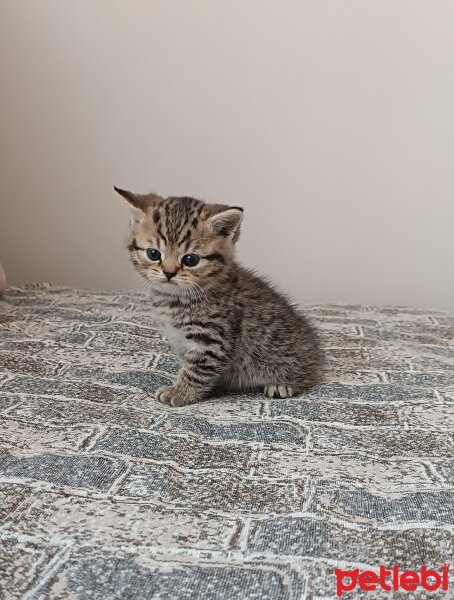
(232, 329)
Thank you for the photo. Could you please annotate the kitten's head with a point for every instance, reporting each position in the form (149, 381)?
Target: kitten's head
(181, 244)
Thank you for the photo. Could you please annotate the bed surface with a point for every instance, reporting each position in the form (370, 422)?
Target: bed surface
(104, 493)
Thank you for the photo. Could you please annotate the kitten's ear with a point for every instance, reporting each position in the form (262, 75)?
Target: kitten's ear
(226, 221)
(135, 200)
(138, 203)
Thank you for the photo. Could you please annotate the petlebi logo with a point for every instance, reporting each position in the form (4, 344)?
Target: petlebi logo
(392, 579)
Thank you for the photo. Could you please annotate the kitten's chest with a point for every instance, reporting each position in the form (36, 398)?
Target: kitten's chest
(177, 339)
(176, 336)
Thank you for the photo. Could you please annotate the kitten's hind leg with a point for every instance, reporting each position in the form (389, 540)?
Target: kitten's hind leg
(280, 391)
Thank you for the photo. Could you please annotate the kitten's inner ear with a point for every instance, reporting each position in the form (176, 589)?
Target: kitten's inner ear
(227, 222)
(138, 203)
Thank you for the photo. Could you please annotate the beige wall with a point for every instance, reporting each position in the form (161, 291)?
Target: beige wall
(331, 122)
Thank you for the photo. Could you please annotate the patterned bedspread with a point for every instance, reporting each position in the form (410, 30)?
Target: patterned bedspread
(106, 494)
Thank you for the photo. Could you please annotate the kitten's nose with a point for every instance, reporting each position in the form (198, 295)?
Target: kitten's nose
(169, 274)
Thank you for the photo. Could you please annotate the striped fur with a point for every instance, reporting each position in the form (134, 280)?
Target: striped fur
(232, 329)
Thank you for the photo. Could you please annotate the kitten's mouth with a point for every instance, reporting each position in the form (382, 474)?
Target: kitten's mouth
(169, 286)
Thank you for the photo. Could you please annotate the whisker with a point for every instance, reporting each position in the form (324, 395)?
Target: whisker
(139, 287)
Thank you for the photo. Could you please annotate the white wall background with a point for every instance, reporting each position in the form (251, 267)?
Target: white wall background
(331, 122)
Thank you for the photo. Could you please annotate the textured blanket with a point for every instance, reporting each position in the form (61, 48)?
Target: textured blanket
(106, 494)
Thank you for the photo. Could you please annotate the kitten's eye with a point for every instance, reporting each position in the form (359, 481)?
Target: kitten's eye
(153, 254)
(190, 260)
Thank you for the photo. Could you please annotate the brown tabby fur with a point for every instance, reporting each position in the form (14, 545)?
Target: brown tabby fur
(232, 329)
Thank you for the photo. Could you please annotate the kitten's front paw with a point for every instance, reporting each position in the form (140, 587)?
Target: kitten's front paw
(171, 395)
(162, 394)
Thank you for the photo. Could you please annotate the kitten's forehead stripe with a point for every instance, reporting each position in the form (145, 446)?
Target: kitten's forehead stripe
(185, 238)
(162, 236)
(180, 230)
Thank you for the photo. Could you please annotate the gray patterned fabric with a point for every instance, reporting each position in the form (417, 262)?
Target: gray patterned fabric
(104, 493)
